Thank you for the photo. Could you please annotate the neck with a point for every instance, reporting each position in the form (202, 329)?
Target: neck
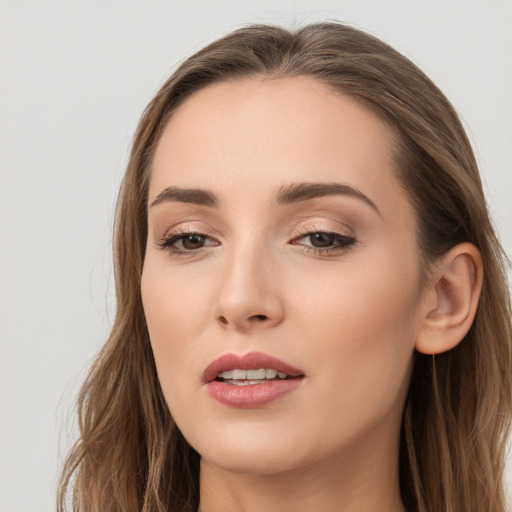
(364, 485)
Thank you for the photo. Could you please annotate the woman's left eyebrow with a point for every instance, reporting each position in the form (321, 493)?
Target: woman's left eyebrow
(303, 191)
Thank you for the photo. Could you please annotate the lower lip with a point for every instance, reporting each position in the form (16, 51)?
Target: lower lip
(251, 396)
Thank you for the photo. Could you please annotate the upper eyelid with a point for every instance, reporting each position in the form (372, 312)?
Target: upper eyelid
(305, 226)
(329, 232)
(179, 235)
(304, 231)
(323, 228)
(188, 229)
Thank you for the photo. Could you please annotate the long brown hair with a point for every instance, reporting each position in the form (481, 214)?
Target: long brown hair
(130, 456)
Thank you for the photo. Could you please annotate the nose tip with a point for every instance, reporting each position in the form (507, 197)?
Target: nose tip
(241, 317)
(251, 321)
(248, 300)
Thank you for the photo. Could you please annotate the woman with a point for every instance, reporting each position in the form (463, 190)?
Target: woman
(312, 310)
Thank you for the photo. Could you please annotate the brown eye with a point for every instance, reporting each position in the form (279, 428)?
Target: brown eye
(186, 243)
(322, 239)
(194, 241)
(324, 242)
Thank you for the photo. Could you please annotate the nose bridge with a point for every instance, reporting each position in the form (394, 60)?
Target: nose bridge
(248, 296)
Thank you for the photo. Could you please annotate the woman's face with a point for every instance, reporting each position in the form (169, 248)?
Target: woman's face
(281, 240)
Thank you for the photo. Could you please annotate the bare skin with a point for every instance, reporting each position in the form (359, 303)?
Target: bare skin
(329, 284)
(329, 486)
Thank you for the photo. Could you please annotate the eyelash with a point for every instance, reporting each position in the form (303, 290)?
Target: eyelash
(168, 241)
(344, 242)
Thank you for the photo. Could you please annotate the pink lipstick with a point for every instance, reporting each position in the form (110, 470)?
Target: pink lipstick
(250, 381)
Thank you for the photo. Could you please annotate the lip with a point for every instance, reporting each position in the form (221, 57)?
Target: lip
(255, 395)
(247, 362)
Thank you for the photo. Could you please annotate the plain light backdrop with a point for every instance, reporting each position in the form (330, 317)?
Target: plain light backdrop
(74, 79)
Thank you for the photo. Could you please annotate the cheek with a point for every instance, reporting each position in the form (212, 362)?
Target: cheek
(175, 317)
(358, 329)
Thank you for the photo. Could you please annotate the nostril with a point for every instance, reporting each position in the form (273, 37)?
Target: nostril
(223, 320)
(259, 317)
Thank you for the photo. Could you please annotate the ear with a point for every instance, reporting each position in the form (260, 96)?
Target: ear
(450, 303)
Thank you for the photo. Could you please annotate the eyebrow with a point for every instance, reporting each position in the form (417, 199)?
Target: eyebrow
(288, 194)
(187, 195)
(303, 191)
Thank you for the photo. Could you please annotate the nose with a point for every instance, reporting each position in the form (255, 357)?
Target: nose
(249, 296)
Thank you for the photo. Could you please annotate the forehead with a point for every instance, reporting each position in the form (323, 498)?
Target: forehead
(257, 134)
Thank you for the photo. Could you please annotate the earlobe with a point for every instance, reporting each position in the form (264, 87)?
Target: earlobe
(453, 300)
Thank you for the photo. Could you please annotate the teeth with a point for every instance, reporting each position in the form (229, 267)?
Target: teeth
(270, 373)
(256, 374)
(251, 375)
(239, 374)
(244, 382)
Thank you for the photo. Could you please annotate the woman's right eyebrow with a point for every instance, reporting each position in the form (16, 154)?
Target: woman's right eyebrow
(186, 195)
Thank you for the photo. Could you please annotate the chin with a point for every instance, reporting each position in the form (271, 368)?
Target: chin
(252, 450)
(262, 464)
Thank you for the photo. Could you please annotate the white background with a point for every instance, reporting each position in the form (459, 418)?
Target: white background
(75, 77)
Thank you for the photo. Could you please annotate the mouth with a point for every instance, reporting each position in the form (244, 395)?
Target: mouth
(238, 377)
(250, 381)
(254, 366)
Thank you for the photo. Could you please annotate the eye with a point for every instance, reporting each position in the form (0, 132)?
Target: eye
(185, 242)
(194, 241)
(324, 241)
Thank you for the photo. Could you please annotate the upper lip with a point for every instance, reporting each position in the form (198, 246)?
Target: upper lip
(251, 360)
